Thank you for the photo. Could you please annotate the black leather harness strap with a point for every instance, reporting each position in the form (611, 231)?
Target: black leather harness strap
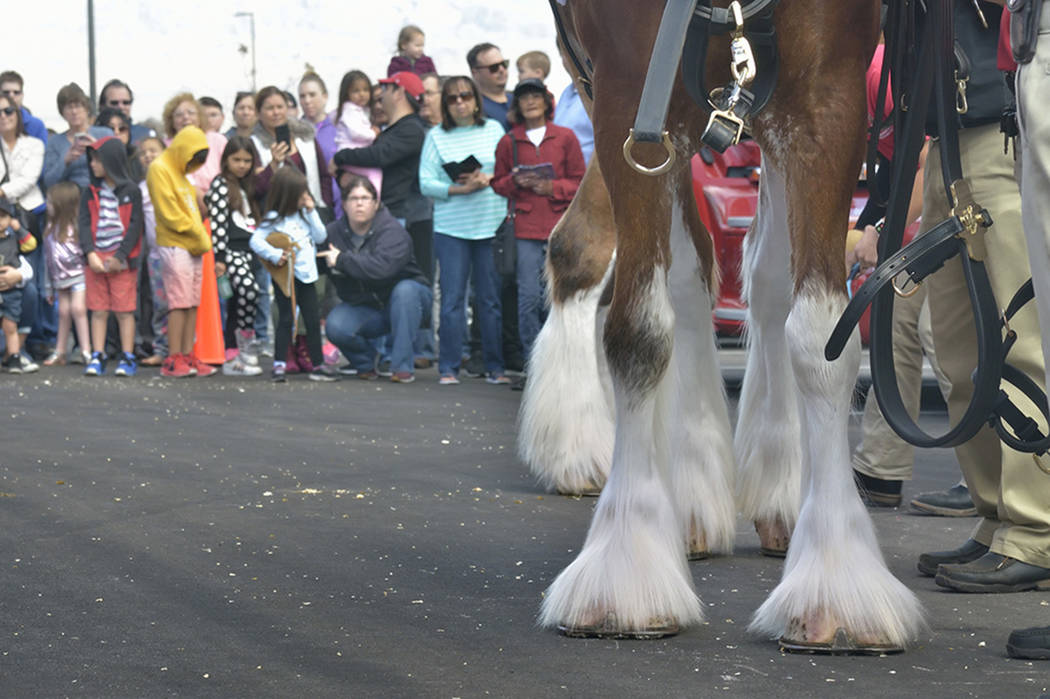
(933, 71)
(582, 71)
(759, 29)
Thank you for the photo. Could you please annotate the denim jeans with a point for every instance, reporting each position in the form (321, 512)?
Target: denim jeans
(532, 306)
(43, 323)
(354, 329)
(460, 260)
(262, 309)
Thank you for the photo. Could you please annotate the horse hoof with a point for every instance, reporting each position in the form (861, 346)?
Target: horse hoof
(608, 627)
(773, 536)
(800, 640)
(588, 490)
(696, 547)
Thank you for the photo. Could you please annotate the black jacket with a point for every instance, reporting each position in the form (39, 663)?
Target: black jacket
(396, 151)
(367, 276)
(986, 91)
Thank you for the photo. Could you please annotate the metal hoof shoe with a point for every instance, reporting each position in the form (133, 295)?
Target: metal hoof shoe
(609, 628)
(697, 555)
(841, 644)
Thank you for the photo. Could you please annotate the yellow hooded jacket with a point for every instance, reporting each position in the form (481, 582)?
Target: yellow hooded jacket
(174, 198)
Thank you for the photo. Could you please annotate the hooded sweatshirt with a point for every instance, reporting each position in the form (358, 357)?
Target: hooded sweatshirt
(111, 220)
(174, 198)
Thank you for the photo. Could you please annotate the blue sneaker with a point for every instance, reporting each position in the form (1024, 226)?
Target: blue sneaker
(96, 366)
(127, 366)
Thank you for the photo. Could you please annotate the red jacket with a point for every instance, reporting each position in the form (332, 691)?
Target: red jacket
(537, 214)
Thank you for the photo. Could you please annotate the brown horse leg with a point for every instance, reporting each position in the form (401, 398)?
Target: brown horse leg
(631, 578)
(565, 421)
(836, 594)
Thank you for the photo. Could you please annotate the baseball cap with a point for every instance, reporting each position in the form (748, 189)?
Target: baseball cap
(410, 82)
(6, 206)
(529, 85)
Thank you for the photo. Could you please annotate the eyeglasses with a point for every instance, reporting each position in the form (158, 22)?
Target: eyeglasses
(119, 103)
(120, 129)
(495, 67)
(464, 96)
(360, 200)
(9, 111)
(184, 113)
(11, 93)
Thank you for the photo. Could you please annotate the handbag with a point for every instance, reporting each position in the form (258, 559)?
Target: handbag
(1024, 28)
(504, 245)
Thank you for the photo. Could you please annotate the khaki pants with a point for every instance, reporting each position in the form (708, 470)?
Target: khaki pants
(1033, 96)
(881, 452)
(1011, 494)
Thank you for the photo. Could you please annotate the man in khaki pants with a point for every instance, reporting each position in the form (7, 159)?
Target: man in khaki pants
(1033, 96)
(1009, 551)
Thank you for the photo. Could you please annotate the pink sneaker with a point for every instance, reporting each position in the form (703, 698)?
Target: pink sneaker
(200, 368)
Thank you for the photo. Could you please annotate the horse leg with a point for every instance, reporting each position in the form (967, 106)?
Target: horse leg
(836, 593)
(630, 579)
(701, 442)
(565, 420)
(768, 453)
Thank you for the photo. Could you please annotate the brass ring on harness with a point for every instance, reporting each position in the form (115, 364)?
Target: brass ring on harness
(901, 292)
(651, 171)
(1039, 463)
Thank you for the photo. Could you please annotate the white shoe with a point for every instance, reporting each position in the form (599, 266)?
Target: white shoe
(235, 367)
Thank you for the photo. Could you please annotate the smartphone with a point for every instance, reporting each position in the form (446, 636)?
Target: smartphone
(283, 134)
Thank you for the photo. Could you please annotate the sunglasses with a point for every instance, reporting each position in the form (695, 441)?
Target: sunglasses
(464, 96)
(120, 129)
(495, 67)
(119, 103)
(9, 111)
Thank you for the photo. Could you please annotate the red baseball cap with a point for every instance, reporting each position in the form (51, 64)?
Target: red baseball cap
(410, 82)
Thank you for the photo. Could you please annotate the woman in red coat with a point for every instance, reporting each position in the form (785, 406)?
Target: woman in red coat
(549, 168)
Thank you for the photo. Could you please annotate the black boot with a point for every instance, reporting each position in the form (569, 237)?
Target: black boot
(970, 551)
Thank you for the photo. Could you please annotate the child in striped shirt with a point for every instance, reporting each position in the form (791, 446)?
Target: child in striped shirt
(110, 228)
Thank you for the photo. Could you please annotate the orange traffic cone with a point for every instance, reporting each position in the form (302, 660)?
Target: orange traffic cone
(209, 346)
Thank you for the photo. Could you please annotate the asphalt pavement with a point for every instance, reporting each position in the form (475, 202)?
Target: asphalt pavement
(233, 538)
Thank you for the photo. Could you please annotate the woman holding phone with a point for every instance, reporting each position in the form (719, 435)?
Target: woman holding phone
(466, 215)
(281, 141)
(64, 158)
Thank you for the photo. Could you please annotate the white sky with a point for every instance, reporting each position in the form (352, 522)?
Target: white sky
(161, 48)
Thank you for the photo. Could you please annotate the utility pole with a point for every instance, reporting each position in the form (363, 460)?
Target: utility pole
(251, 24)
(91, 51)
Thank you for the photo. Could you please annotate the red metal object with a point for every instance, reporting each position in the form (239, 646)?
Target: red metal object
(726, 189)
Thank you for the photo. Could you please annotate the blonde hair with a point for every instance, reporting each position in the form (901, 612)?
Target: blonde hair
(64, 198)
(537, 60)
(407, 33)
(168, 115)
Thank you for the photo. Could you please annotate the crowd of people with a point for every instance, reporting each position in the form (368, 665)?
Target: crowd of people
(329, 231)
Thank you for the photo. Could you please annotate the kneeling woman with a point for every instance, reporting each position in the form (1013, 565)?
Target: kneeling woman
(291, 210)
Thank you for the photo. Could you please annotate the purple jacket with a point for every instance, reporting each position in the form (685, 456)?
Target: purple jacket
(421, 66)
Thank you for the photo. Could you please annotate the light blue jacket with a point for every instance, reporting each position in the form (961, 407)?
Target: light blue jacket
(306, 231)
